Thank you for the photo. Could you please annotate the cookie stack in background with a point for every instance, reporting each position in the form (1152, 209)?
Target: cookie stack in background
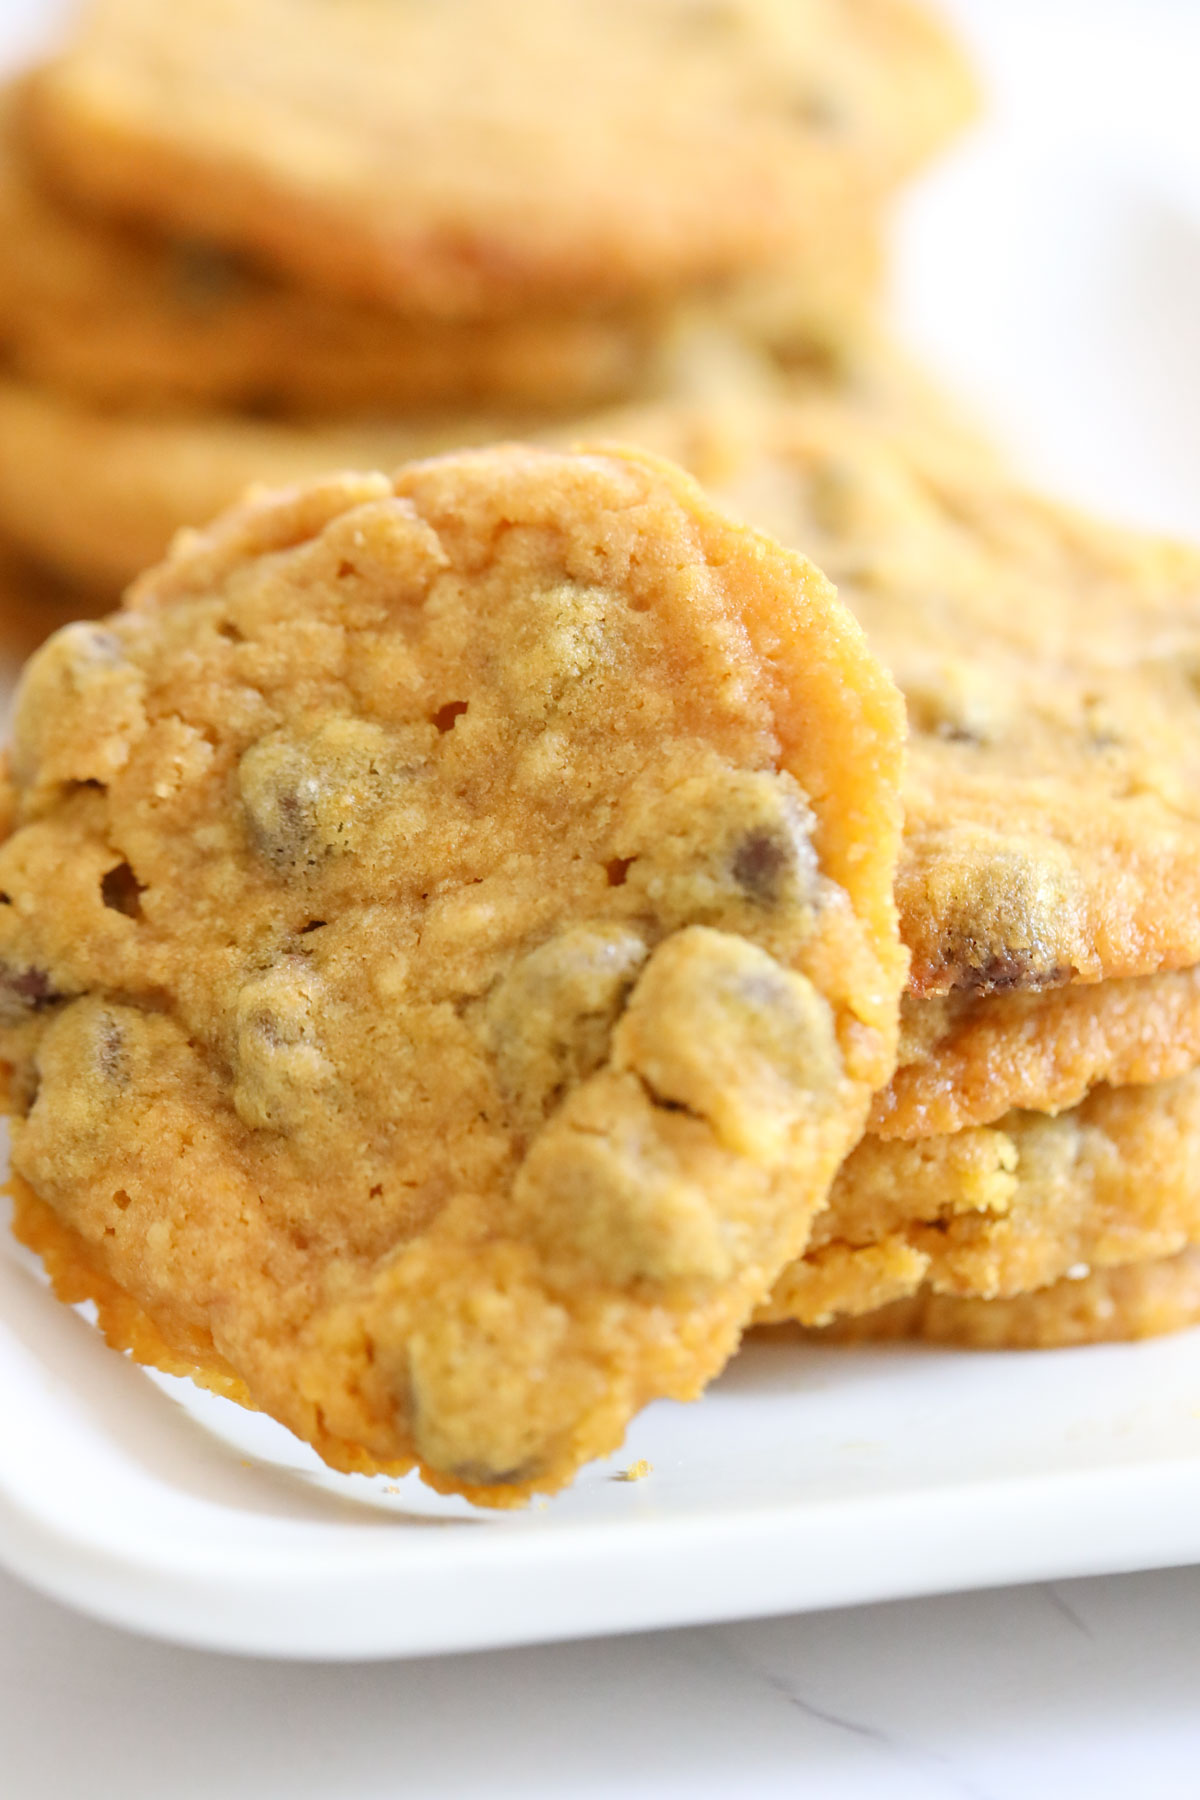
(1044, 1119)
(253, 243)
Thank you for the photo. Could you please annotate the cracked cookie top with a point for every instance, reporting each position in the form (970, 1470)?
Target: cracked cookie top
(479, 156)
(448, 946)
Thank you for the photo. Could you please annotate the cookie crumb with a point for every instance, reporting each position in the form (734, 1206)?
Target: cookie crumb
(637, 1471)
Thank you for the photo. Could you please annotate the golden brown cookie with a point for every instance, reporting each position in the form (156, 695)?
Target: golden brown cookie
(98, 496)
(1000, 1210)
(1143, 1300)
(481, 156)
(1051, 666)
(449, 947)
(121, 317)
(965, 1059)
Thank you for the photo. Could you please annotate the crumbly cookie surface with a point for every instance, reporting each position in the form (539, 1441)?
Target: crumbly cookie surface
(994, 1211)
(448, 948)
(474, 157)
(1050, 666)
(1141, 1300)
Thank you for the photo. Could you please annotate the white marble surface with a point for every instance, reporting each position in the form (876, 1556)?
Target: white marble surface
(1077, 1689)
(1081, 1688)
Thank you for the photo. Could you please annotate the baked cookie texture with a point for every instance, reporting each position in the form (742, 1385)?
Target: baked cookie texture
(1004, 1209)
(448, 948)
(1049, 663)
(472, 158)
(97, 496)
(1142, 1300)
(121, 317)
(966, 1059)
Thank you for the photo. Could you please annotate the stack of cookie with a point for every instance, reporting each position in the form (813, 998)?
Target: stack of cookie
(253, 243)
(456, 922)
(1043, 1122)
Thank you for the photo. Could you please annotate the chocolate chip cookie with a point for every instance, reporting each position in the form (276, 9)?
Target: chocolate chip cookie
(1051, 666)
(994, 1211)
(128, 318)
(448, 946)
(966, 1059)
(1142, 1300)
(478, 157)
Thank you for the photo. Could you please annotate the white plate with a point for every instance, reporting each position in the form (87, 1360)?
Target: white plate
(1058, 281)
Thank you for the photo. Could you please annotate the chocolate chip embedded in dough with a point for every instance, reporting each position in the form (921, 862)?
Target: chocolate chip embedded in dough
(78, 708)
(282, 1071)
(760, 863)
(24, 991)
(732, 847)
(311, 795)
(549, 1022)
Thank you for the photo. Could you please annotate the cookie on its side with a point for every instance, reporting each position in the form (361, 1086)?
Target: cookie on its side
(98, 496)
(994, 1211)
(1143, 1300)
(967, 1059)
(450, 948)
(1050, 665)
(486, 156)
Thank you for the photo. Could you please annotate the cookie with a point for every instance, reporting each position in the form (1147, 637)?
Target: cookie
(449, 947)
(1146, 1299)
(966, 1059)
(97, 497)
(118, 317)
(478, 157)
(1004, 1209)
(1051, 667)
(32, 605)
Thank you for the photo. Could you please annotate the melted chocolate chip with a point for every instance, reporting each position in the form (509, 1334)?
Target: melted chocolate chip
(1005, 971)
(445, 716)
(761, 860)
(32, 987)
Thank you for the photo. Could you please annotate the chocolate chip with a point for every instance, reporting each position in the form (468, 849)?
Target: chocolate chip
(310, 796)
(1004, 971)
(759, 864)
(549, 1020)
(445, 716)
(478, 1474)
(24, 991)
(32, 987)
(820, 109)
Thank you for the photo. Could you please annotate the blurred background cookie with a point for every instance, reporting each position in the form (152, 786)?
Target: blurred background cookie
(473, 157)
